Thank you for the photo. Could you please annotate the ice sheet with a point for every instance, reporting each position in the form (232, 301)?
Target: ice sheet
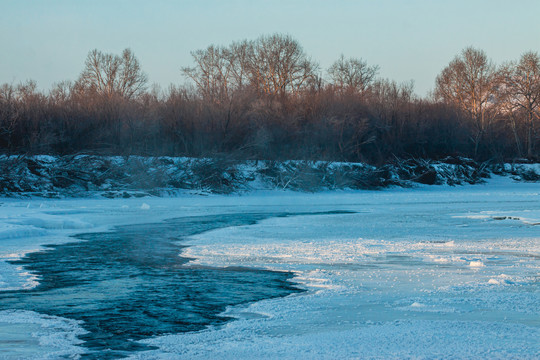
(415, 274)
(423, 273)
(29, 335)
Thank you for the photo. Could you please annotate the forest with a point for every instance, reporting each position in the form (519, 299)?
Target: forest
(267, 99)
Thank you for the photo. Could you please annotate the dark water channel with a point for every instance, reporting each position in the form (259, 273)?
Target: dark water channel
(131, 283)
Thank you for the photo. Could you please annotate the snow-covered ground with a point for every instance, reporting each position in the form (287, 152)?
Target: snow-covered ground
(432, 272)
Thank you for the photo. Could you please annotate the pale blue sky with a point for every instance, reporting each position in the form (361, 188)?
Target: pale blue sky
(410, 40)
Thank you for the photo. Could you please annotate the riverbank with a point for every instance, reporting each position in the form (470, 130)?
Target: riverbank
(136, 176)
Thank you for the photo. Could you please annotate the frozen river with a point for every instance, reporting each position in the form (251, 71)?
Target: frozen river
(433, 272)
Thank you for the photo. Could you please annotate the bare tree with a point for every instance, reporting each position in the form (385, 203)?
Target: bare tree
(278, 65)
(470, 82)
(9, 114)
(265, 98)
(271, 65)
(391, 102)
(112, 75)
(352, 75)
(212, 73)
(239, 57)
(522, 89)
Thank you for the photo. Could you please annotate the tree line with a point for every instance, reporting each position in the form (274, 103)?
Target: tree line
(267, 99)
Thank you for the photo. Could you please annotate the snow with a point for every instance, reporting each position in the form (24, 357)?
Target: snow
(139, 176)
(399, 339)
(29, 335)
(145, 206)
(427, 273)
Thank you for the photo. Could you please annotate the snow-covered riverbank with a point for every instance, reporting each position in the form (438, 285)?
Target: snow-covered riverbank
(431, 272)
(138, 176)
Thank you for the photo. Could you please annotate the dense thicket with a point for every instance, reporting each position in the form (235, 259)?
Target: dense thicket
(266, 99)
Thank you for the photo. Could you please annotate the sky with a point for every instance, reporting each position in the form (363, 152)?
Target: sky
(48, 41)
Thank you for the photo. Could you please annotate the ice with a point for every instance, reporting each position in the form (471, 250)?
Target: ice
(424, 340)
(399, 277)
(502, 279)
(29, 335)
(476, 264)
(412, 274)
(13, 231)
